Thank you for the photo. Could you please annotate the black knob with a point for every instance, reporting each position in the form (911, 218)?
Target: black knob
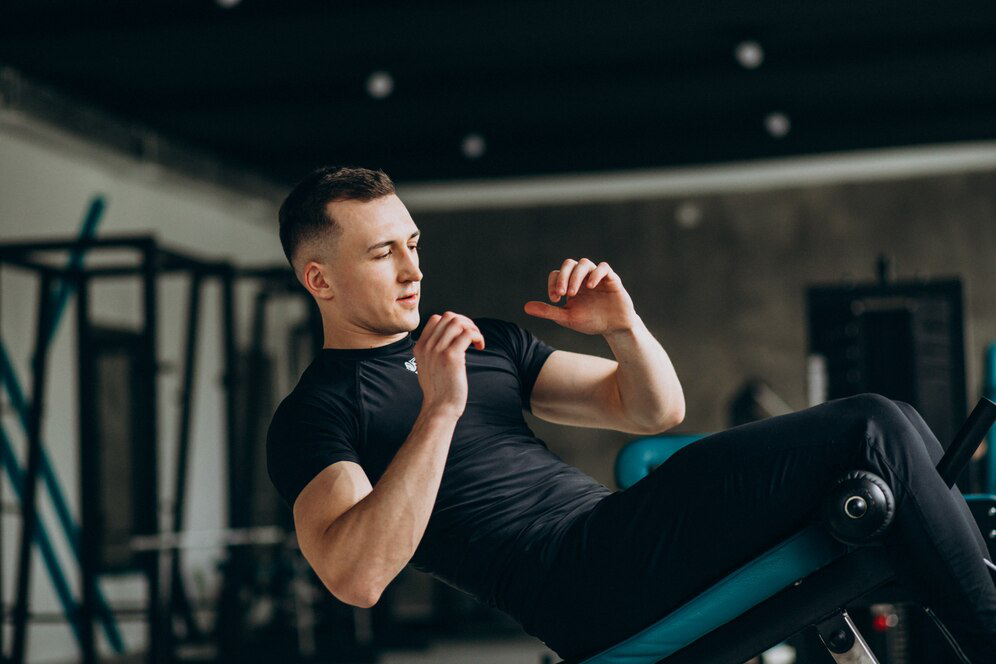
(859, 508)
(840, 641)
(855, 507)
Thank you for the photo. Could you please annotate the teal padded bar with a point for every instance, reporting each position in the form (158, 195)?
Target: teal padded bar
(637, 458)
(796, 558)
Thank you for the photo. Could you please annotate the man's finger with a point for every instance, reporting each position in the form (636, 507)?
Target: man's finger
(429, 327)
(544, 310)
(598, 274)
(565, 273)
(551, 285)
(466, 338)
(432, 339)
(454, 328)
(581, 270)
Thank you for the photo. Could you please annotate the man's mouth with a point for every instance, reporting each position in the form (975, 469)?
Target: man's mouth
(408, 298)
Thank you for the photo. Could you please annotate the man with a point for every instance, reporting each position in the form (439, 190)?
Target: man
(391, 451)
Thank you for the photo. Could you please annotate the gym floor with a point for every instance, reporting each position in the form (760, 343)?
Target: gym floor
(504, 651)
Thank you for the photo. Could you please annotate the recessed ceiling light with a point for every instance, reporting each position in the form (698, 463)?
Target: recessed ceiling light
(749, 54)
(688, 214)
(380, 85)
(473, 146)
(777, 124)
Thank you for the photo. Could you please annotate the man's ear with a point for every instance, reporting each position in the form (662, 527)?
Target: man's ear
(315, 277)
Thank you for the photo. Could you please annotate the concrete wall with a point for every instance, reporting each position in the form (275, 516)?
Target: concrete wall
(719, 278)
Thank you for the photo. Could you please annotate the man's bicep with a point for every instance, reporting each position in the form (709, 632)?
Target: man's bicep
(578, 390)
(324, 499)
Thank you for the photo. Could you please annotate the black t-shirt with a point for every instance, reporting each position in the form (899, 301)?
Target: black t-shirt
(505, 500)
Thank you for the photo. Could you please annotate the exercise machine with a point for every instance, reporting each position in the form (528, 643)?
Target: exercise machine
(802, 584)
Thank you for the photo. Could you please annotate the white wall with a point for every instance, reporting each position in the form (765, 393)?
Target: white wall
(46, 181)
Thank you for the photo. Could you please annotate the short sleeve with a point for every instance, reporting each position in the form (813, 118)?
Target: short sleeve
(306, 437)
(526, 351)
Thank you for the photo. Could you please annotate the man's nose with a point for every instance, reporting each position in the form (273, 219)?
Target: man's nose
(409, 270)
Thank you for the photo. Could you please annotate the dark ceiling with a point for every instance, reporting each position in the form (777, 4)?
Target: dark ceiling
(545, 87)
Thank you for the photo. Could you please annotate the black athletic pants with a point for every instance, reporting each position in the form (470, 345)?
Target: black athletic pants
(723, 500)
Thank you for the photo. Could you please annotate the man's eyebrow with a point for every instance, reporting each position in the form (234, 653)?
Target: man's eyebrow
(387, 243)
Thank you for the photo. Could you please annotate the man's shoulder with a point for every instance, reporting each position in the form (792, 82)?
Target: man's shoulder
(498, 326)
(320, 389)
(489, 326)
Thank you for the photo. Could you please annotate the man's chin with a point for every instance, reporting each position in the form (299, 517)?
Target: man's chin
(406, 323)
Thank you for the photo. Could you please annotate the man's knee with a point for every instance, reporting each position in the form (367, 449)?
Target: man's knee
(887, 420)
(875, 405)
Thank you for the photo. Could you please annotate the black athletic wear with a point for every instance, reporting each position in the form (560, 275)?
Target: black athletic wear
(583, 568)
(505, 500)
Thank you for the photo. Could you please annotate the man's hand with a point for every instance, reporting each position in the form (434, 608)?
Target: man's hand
(597, 303)
(440, 355)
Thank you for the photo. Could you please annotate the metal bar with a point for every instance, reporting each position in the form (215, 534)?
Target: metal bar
(229, 612)
(966, 441)
(174, 260)
(115, 271)
(89, 468)
(19, 248)
(159, 630)
(41, 268)
(29, 509)
(3, 459)
(843, 641)
(178, 598)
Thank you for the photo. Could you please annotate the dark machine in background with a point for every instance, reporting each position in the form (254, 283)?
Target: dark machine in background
(904, 340)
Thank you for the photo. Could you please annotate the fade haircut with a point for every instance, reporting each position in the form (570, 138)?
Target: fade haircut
(304, 216)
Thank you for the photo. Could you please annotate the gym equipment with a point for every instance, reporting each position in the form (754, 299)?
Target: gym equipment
(148, 262)
(803, 582)
(91, 219)
(901, 339)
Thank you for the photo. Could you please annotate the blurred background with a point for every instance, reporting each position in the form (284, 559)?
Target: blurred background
(801, 199)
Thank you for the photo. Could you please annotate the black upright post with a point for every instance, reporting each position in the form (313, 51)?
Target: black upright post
(159, 642)
(179, 602)
(29, 519)
(3, 613)
(230, 610)
(89, 471)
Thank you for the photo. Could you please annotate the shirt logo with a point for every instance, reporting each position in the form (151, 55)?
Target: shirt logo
(410, 365)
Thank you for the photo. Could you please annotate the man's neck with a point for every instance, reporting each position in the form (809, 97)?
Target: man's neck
(344, 340)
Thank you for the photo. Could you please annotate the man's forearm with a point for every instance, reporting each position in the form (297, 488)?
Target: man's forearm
(373, 541)
(649, 389)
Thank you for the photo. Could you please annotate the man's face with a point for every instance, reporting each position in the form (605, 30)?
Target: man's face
(374, 267)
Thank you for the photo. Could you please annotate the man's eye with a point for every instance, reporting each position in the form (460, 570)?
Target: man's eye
(383, 255)
(414, 247)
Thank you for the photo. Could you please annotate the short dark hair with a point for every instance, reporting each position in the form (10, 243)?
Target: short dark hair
(304, 216)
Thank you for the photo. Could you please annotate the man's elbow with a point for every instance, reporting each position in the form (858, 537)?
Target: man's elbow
(365, 600)
(677, 414)
(666, 420)
(360, 595)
